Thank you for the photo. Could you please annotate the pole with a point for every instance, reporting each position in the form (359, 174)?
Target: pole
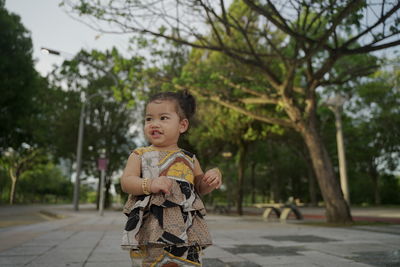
(79, 158)
(341, 155)
(336, 104)
(102, 193)
(102, 166)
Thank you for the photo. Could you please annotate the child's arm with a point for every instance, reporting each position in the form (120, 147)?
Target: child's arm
(205, 183)
(131, 182)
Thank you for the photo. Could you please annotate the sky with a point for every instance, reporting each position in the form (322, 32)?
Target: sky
(53, 28)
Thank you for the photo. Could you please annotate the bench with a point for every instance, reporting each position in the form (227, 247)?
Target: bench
(222, 209)
(282, 211)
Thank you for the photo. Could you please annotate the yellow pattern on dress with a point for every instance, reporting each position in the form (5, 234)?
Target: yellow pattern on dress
(182, 171)
(141, 150)
(167, 156)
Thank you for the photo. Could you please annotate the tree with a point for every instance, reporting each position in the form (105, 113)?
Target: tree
(375, 134)
(307, 39)
(225, 128)
(44, 183)
(103, 77)
(16, 162)
(18, 81)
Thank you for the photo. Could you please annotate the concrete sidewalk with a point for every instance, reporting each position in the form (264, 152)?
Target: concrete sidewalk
(86, 239)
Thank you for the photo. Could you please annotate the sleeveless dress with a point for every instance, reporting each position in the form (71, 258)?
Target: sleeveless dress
(173, 222)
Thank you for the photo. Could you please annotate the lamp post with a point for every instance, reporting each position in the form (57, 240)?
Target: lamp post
(81, 128)
(336, 105)
(102, 166)
(79, 151)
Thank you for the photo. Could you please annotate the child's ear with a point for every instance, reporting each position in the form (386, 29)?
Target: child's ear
(183, 125)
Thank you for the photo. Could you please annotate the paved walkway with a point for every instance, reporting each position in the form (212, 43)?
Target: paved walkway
(87, 239)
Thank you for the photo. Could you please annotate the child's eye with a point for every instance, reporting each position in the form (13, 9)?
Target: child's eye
(164, 118)
(147, 119)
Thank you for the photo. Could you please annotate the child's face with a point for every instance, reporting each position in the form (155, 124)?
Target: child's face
(162, 125)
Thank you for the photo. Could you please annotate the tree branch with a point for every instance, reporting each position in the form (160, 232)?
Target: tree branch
(382, 19)
(321, 42)
(281, 122)
(257, 100)
(243, 88)
(272, 17)
(241, 110)
(368, 48)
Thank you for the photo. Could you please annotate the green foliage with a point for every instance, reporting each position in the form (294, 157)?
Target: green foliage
(31, 172)
(390, 188)
(43, 183)
(371, 130)
(18, 80)
(111, 94)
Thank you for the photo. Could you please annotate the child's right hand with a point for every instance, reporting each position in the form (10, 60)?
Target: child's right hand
(161, 184)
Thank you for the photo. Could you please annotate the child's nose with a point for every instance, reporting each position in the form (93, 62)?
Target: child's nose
(154, 124)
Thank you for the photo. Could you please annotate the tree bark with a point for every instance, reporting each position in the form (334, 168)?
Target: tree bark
(253, 182)
(14, 179)
(240, 182)
(375, 183)
(336, 209)
(107, 195)
(312, 190)
(12, 192)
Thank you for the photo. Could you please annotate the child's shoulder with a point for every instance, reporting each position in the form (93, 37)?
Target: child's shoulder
(187, 153)
(141, 150)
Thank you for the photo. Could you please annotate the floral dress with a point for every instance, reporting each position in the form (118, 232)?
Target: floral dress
(174, 223)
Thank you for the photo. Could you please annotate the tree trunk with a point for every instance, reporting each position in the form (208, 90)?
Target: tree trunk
(375, 183)
(14, 179)
(276, 195)
(240, 182)
(337, 210)
(253, 182)
(312, 188)
(107, 195)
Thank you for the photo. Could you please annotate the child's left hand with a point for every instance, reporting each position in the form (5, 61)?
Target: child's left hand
(213, 178)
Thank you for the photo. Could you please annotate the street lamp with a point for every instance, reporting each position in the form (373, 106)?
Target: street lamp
(102, 166)
(79, 150)
(336, 105)
(81, 129)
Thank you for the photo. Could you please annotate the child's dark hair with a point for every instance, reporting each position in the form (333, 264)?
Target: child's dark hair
(185, 102)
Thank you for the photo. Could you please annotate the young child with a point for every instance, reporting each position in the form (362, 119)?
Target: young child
(166, 225)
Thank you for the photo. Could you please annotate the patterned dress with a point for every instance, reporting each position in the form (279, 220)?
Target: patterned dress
(172, 225)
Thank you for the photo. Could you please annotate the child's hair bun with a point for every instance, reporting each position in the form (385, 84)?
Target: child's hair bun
(187, 103)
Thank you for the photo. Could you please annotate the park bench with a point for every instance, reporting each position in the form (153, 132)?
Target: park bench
(222, 208)
(281, 210)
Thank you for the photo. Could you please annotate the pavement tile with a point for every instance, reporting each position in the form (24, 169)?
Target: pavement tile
(86, 239)
(264, 250)
(56, 264)
(100, 256)
(17, 259)
(218, 252)
(64, 256)
(107, 264)
(317, 258)
(379, 258)
(25, 251)
(300, 238)
(216, 262)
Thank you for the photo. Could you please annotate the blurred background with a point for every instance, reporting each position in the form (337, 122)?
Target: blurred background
(306, 111)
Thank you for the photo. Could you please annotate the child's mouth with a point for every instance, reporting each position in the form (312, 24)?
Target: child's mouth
(155, 133)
